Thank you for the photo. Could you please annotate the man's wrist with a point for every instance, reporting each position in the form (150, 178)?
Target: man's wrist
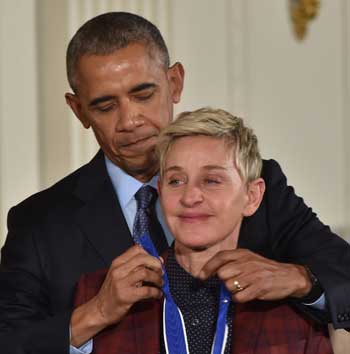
(299, 281)
(316, 289)
(86, 321)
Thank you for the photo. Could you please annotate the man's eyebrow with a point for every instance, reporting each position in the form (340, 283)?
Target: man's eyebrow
(142, 87)
(135, 89)
(101, 99)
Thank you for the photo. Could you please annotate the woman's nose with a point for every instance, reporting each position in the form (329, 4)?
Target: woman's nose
(191, 195)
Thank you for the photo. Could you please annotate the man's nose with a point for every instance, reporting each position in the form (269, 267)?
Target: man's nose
(191, 196)
(127, 117)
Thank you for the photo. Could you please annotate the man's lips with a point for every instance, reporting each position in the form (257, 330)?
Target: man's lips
(136, 143)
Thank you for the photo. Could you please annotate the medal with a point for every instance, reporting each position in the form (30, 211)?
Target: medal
(174, 330)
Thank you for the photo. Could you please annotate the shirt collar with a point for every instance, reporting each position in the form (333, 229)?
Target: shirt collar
(125, 185)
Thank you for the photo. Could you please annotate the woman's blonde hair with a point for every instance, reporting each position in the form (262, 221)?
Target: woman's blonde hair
(220, 124)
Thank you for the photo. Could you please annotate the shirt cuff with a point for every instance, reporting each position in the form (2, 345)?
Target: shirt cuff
(319, 304)
(86, 348)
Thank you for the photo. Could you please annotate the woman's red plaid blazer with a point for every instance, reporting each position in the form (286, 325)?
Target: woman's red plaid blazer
(259, 327)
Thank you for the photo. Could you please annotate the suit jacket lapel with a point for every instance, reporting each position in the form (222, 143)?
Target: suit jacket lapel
(101, 218)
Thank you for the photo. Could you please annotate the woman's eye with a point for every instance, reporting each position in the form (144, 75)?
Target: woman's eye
(175, 182)
(211, 181)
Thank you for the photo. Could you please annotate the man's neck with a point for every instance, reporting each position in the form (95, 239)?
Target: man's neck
(142, 174)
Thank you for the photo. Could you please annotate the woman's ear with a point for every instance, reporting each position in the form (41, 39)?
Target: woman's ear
(255, 193)
(159, 187)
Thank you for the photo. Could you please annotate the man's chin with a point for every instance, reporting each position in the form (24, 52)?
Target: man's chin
(137, 165)
(143, 171)
(140, 148)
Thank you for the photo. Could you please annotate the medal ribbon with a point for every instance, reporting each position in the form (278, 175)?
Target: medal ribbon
(174, 330)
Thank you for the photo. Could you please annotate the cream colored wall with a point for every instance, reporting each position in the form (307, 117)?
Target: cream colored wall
(19, 128)
(54, 115)
(345, 18)
(239, 55)
(296, 96)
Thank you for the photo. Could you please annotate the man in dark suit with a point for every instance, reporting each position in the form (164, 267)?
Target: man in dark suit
(124, 89)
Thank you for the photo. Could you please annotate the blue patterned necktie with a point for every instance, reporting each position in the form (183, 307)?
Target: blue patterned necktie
(145, 196)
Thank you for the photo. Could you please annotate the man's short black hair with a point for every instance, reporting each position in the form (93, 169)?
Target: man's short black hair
(106, 33)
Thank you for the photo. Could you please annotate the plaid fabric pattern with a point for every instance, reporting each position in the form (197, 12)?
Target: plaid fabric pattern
(137, 333)
(276, 328)
(258, 327)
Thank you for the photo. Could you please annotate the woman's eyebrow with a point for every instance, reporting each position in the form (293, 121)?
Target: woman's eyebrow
(214, 167)
(173, 168)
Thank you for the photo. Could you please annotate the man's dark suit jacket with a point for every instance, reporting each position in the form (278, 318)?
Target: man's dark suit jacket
(259, 327)
(77, 227)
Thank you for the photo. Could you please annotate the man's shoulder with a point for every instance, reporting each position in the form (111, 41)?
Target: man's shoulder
(59, 196)
(52, 194)
(270, 169)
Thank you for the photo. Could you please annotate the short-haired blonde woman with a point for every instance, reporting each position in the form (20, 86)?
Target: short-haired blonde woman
(209, 182)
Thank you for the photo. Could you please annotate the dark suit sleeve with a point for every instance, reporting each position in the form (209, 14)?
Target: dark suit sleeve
(27, 323)
(298, 236)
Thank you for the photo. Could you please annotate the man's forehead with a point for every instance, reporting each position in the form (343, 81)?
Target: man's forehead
(127, 71)
(133, 54)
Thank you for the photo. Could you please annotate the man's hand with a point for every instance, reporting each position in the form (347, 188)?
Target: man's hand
(132, 277)
(250, 276)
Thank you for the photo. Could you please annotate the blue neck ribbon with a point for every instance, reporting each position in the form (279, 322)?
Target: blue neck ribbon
(174, 330)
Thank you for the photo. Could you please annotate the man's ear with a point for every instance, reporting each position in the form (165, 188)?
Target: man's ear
(176, 75)
(74, 103)
(255, 192)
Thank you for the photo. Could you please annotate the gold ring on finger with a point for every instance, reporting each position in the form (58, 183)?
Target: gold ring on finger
(238, 286)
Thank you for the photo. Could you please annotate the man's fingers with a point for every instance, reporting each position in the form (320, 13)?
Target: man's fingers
(138, 279)
(255, 290)
(270, 283)
(235, 285)
(211, 267)
(220, 259)
(128, 255)
(144, 275)
(229, 270)
(140, 260)
(250, 276)
(244, 288)
(148, 292)
(246, 266)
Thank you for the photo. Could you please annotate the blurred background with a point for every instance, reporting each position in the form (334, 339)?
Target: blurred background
(240, 55)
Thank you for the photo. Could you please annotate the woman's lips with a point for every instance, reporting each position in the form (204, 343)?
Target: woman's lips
(194, 218)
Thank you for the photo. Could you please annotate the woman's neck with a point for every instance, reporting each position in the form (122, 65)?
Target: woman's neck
(194, 260)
